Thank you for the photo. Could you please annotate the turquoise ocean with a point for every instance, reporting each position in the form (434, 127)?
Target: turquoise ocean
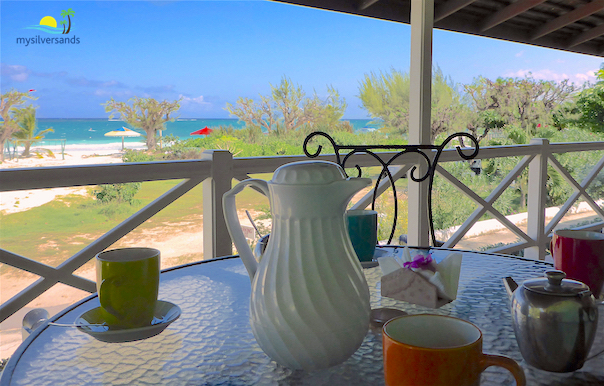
(91, 131)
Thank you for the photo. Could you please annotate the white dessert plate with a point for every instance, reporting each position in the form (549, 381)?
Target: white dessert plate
(379, 252)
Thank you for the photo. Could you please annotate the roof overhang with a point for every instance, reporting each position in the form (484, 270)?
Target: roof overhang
(568, 25)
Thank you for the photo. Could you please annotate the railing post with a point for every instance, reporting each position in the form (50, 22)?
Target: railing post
(537, 194)
(216, 238)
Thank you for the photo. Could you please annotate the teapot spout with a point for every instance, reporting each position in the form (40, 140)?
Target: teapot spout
(352, 185)
(510, 285)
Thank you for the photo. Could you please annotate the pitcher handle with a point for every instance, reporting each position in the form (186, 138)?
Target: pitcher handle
(234, 226)
(507, 363)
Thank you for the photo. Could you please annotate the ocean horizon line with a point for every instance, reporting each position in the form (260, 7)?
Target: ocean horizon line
(180, 118)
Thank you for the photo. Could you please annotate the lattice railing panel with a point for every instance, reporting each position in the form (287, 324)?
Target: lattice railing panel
(217, 171)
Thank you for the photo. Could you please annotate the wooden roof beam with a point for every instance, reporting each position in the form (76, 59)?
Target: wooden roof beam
(450, 7)
(366, 4)
(568, 18)
(586, 36)
(509, 12)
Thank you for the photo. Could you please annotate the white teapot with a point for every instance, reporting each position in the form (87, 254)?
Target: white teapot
(309, 306)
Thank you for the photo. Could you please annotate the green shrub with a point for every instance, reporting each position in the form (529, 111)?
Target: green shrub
(137, 156)
(117, 193)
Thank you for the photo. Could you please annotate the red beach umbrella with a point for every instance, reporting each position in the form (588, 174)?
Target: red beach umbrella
(205, 131)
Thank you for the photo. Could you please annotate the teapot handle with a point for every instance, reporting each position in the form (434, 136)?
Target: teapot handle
(234, 226)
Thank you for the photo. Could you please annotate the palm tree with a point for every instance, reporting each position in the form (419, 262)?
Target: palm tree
(63, 22)
(68, 13)
(28, 134)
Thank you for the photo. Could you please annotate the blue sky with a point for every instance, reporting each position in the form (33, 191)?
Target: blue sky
(212, 52)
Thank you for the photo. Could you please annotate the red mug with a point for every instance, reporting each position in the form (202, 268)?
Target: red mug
(580, 254)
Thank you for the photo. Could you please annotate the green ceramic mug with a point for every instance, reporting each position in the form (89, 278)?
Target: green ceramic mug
(362, 229)
(127, 282)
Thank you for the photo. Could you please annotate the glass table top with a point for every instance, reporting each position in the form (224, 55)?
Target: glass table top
(212, 342)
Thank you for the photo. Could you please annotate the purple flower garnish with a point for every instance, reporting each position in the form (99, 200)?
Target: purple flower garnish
(419, 261)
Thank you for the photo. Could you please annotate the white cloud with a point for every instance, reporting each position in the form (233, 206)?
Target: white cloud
(588, 76)
(113, 93)
(547, 74)
(85, 82)
(15, 72)
(519, 54)
(111, 83)
(195, 100)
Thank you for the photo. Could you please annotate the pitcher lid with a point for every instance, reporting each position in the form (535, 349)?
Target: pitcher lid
(554, 283)
(308, 173)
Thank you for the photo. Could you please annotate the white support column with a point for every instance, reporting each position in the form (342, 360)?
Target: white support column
(216, 238)
(537, 194)
(422, 19)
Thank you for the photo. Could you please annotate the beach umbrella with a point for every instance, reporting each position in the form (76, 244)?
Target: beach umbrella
(123, 132)
(205, 131)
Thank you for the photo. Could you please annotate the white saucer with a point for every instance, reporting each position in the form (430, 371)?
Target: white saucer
(91, 323)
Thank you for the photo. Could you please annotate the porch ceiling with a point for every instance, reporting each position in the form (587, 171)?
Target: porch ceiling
(569, 25)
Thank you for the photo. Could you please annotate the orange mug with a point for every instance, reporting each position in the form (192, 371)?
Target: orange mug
(435, 350)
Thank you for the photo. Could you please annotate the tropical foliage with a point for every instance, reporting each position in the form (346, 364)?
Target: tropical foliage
(504, 111)
(121, 193)
(28, 133)
(9, 105)
(145, 113)
(587, 111)
(287, 108)
(385, 96)
(522, 107)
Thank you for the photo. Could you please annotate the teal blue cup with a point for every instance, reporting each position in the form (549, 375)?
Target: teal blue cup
(362, 229)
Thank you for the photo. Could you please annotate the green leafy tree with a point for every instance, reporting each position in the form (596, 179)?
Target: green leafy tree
(63, 22)
(67, 13)
(522, 108)
(386, 97)
(9, 104)
(287, 108)
(514, 104)
(145, 113)
(448, 109)
(28, 133)
(587, 111)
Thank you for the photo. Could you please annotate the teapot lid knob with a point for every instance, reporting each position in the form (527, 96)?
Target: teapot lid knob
(554, 277)
(554, 283)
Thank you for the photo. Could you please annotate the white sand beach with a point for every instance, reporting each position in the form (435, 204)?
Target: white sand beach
(17, 201)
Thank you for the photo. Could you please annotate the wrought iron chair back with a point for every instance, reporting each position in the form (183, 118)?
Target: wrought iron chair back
(425, 151)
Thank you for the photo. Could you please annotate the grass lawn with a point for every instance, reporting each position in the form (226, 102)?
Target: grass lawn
(55, 231)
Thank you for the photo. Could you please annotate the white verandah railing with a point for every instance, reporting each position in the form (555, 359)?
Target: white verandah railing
(217, 169)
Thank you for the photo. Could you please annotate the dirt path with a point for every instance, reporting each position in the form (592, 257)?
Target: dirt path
(506, 236)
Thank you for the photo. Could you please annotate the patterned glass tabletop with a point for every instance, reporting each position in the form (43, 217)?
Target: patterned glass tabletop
(212, 342)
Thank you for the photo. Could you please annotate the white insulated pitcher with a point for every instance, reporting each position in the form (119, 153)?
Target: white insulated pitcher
(309, 306)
